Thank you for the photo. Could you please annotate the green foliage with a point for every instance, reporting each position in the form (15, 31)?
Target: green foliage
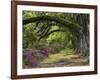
(29, 37)
(53, 38)
(67, 51)
(69, 30)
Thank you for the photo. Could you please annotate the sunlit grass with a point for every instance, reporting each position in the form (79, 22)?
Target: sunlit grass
(65, 60)
(54, 57)
(64, 55)
(67, 51)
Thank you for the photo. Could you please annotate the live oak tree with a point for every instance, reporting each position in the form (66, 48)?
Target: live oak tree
(40, 25)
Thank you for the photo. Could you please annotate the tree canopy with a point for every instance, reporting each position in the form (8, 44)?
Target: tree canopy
(69, 29)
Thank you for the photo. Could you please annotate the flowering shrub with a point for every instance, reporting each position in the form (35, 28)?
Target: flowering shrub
(29, 56)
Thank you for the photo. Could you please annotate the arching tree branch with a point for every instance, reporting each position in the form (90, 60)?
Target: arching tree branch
(60, 21)
(57, 30)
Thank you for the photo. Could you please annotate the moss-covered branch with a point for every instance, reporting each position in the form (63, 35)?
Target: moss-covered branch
(60, 21)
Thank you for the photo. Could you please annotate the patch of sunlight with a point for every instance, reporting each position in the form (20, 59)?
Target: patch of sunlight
(67, 51)
(52, 58)
(73, 56)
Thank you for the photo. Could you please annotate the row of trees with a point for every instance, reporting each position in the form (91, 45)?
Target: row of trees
(46, 28)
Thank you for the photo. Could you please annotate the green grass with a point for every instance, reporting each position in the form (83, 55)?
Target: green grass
(67, 51)
(64, 60)
(54, 58)
(64, 54)
(65, 57)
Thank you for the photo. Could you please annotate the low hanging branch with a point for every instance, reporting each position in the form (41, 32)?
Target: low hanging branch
(57, 30)
(60, 21)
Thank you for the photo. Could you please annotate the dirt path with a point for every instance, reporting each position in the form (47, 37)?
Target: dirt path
(63, 60)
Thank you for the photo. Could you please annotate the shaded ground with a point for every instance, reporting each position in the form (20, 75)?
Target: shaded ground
(63, 60)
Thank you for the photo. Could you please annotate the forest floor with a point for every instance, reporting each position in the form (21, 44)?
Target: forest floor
(64, 60)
